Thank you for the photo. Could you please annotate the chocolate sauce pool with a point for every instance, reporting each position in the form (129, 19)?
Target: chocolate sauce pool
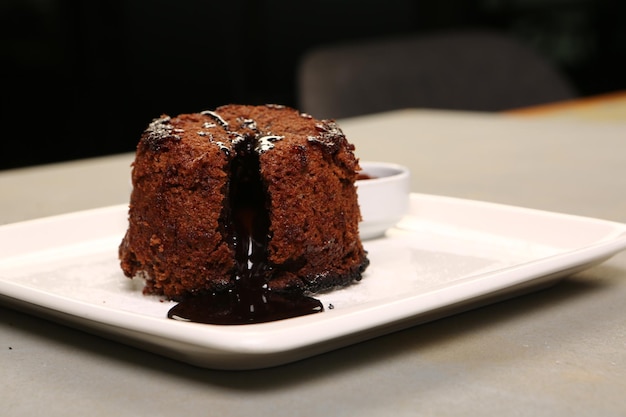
(250, 301)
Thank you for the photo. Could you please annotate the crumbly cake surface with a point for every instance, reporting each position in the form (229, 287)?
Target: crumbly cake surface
(180, 227)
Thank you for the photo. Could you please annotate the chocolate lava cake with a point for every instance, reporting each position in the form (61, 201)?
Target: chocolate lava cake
(257, 191)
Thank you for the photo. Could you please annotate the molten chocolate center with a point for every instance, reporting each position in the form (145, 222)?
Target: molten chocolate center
(251, 300)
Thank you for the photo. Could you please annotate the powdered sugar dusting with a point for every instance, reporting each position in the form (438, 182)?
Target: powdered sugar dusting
(265, 143)
(329, 134)
(160, 130)
(215, 116)
(248, 123)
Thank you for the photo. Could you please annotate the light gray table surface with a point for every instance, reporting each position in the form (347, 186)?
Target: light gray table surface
(557, 352)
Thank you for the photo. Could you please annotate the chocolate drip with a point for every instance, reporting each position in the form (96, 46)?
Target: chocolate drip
(251, 300)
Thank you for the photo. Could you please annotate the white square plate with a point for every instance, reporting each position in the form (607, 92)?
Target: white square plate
(445, 256)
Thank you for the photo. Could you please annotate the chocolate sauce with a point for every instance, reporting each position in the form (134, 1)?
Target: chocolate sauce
(250, 301)
(364, 176)
(229, 308)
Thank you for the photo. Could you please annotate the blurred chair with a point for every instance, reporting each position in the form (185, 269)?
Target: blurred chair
(461, 70)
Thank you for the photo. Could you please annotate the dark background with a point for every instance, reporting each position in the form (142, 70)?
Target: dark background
(83, 78)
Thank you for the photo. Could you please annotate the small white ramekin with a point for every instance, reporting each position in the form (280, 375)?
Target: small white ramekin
(383, 198)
